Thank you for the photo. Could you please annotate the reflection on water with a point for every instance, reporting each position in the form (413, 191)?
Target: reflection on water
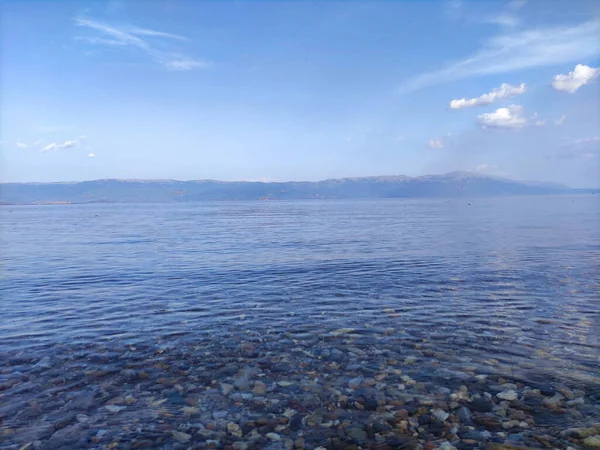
(114, 305)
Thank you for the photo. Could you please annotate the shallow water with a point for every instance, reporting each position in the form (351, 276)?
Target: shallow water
(503, 287)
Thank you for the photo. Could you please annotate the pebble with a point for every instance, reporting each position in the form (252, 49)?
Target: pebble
(509, 395)
(181, 437)
(226, 388)
(592, 442)
(234, 429)
(114, 408)
(260, 388)
(440, 414)
(273, 436)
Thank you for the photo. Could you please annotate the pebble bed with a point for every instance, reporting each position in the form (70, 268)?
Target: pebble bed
(338, 390)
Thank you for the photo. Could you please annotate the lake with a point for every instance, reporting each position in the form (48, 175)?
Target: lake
(399, 323)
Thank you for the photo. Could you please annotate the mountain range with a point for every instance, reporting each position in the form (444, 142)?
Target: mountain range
(453, 184)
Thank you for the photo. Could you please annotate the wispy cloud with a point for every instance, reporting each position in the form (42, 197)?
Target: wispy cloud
(505, 20)
(572, 81)
(582, 148)
(504, 118)
(560, 120)
(146, 32)
(503, 92)
(509, 52)
(91, 155)
(436, 143)
(517, 4)
(61, 146)
(129, 38)
(21, 145)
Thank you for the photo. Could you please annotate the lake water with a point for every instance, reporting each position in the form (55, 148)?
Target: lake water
(106, 310)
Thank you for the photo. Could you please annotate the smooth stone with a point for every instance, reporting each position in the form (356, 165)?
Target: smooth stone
(260, 388)
(509, 395)
(114, 408)
(481, 405)
(180, 436)
(548, 390)
(464, 414)
(592, 442)
(226, 388)
(580, 433)
(440, 414)
(358, 434)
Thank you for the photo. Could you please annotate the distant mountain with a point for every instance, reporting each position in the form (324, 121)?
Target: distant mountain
(453, 184)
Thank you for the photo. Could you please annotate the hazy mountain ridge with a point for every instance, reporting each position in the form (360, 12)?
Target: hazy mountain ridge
(453, 184)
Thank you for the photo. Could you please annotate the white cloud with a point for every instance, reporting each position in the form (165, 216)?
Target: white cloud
(540, 123)
(572, 81)
(21, 145)
(503, 118)
(504, 91)
(436, 143)
(129, 37)
(64, 145)
(146, 32)
(91, 155)
(561, 120)
(519, 50)
(505, 20)
(185, 64)
(517, 4)
(482, 167)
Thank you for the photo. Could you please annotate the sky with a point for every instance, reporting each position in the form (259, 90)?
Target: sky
(298, 90)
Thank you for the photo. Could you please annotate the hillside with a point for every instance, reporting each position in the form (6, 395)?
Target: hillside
(453, 184)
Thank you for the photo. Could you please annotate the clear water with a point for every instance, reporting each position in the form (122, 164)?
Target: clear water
(507, 286)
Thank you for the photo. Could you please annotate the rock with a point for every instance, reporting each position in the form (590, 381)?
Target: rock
(260, 388)
(548, 390)
(355, 382)
(553, 402)
(180, 436)
(579, 433)
(481, 405)
(273, 436)
(342, 331)
(508, 395)
(81, 418)
(446, 446)
(576, 402)
(440, 414)
(226, 388)
(44, 363)
(240, 445)
(357, 434)
(464, 414)
(234, 429)
(114, 408)
(592, 442)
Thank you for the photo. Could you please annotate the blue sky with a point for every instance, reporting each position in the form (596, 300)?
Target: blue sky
(299, 90)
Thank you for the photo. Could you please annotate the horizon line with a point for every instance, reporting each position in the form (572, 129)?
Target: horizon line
(453, 172)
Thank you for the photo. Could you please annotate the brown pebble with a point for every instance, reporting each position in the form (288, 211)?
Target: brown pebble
(402, 414)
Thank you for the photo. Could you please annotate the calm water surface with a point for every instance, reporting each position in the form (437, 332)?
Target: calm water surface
(514, 281)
